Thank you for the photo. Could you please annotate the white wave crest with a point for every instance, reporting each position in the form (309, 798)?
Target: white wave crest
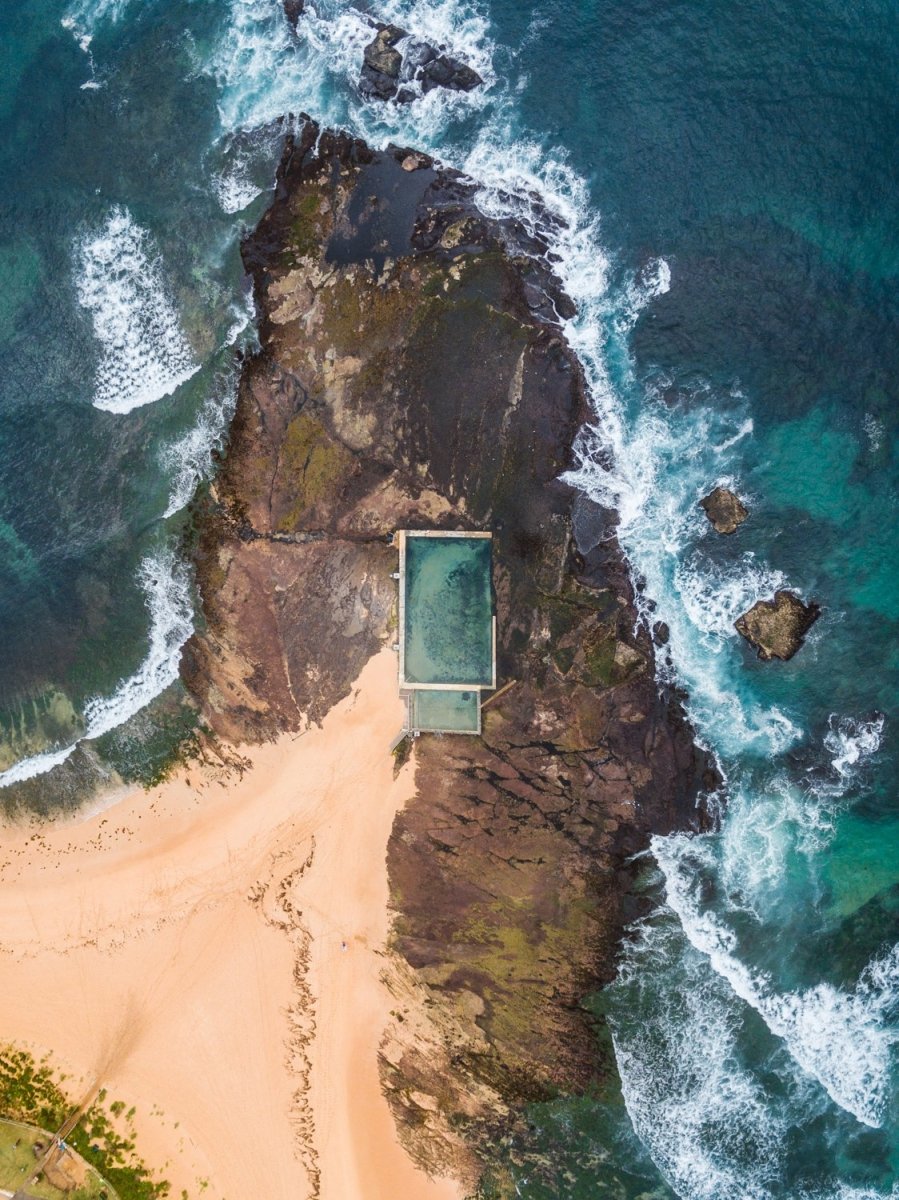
(120, 281)
(166, 585)
(189, 459)
(37, 764)
(839, 1038)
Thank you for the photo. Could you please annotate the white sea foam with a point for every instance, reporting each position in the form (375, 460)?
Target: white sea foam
(120, 281)
(166, 585)
(839, 1038)
(236, 188)
(188, 459)
(874, 431)
(84, 17)
(851, 742)
(38, 764)
(264, 72)
(707, 1123)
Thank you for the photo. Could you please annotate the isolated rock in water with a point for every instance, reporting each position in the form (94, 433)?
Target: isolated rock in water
(293, 10)
(381, 68)
(448, 73)
(725, 510)
(778, 627)
(384, 68)
(380, 54)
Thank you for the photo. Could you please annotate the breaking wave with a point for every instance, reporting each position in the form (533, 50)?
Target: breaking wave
(706, 1121)
(842, 1039)
(188, 459)
(144, 354)
(165, 582)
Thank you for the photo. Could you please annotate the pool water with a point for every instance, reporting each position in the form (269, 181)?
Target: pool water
(448, 625)
(446, 712)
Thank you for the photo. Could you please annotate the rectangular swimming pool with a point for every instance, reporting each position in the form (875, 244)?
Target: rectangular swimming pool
(446, 611)
(445, 711)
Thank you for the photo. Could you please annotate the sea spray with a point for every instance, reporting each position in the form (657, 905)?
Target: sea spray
(120, 280)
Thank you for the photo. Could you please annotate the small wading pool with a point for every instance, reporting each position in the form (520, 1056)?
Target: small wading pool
(447, 712)
(446, 617)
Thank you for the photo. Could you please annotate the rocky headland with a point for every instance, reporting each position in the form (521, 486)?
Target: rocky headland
(412, 372)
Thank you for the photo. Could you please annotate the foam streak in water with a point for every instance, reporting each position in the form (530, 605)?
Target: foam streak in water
(144, 354)
(707, 1123)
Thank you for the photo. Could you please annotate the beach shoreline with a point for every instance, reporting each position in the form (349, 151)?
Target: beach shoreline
(211, 952)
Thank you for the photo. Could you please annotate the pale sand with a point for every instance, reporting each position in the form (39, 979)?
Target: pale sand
(154, 945)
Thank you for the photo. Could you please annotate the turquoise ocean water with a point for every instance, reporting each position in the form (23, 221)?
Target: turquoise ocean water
(725, 185)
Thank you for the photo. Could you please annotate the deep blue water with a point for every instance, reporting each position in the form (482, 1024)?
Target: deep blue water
(728, 178)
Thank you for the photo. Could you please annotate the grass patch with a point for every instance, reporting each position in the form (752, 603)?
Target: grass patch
(305, 237)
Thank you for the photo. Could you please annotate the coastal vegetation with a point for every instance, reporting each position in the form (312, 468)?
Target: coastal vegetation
(32, 1092)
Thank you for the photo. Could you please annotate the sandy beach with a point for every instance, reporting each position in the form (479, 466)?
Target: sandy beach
(211, 952)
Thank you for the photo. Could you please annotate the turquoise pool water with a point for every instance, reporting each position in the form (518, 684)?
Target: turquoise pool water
(448, 629)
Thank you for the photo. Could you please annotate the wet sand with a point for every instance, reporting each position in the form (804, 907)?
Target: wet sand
(211, 951)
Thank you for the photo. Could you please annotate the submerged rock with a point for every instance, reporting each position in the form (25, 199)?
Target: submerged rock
(777, 627)
(724, 509)
(384, 68)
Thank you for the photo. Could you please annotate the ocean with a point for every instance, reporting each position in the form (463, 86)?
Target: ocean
(721, 189)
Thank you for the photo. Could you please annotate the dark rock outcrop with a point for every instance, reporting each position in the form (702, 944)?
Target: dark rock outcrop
(724, 509)
(412, 373)
(447, 72)
(777, 628)
(389, 75)
(293, 10)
